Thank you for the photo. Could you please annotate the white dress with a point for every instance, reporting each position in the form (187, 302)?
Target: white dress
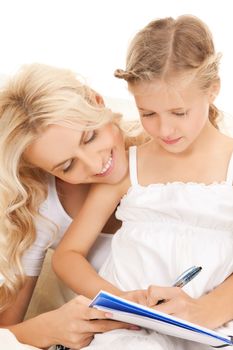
(166, 229)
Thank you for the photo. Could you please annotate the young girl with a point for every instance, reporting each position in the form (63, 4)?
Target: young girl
(177, 205)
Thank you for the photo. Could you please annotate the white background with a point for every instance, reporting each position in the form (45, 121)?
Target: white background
(91, 36)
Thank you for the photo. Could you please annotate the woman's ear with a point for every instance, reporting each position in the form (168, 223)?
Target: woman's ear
(214, 91)
(99, 99)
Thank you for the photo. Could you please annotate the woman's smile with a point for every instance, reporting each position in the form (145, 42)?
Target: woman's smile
(108, 166)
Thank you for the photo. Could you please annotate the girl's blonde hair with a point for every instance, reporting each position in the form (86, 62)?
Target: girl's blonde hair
(36, 97)
(169, 47)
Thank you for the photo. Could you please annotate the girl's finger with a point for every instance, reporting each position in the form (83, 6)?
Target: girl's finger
(156, 293)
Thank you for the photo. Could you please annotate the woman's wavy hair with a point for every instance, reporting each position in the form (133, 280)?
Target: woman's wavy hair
(36, 97)
(167, 48)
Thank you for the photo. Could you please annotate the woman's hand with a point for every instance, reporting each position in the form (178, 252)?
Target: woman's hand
(75, 323)
(180, 304)
(72, 325)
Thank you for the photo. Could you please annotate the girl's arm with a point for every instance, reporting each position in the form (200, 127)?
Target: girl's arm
(211, 310)
(218, 304)
(69, 259)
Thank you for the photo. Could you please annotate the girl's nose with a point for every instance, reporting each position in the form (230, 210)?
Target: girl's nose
(166, 129)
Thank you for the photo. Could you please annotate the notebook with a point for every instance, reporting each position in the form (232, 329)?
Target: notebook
(130, 312)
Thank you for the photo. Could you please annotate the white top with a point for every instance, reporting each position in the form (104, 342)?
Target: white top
(52, 209)
(166, 229)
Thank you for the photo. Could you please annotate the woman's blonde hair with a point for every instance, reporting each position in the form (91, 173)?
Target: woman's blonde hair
(169, 47)
(37, 96)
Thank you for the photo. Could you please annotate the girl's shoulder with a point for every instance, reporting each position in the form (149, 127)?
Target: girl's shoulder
(148, 149)
(226, 144)
(145, 147)
(224, 134)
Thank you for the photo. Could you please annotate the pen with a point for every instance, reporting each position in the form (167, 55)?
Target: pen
(187, 276)
(184, 278)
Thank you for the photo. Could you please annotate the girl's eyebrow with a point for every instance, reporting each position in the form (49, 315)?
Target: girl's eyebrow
(143, 109)
(169, 110)
(64, 161)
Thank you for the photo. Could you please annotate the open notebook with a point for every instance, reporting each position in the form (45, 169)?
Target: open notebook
(127, 311)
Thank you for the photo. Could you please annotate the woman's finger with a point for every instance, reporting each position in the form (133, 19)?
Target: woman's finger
(101, 326)
(81, 299)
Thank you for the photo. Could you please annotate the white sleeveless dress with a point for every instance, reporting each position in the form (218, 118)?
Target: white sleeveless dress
(166, 229)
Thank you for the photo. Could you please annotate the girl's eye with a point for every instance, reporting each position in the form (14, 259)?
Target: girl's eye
(152, 114)
(89, 136)
(180, 114)
(67, 166)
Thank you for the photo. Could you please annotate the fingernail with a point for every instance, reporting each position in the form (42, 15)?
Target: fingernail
(135, 328)
(108, 314)
(2, 280)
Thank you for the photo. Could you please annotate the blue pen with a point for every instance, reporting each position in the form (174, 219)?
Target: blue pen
(184, 278)
(187, 276)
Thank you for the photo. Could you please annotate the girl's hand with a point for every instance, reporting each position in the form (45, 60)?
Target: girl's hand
(74, 324)
(180, 304)
(137, 296)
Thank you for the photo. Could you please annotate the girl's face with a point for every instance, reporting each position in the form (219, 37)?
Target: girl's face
(94, 156)
(175, 117)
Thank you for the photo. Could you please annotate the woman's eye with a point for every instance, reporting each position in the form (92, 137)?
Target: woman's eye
(67, 166)
(89, 136)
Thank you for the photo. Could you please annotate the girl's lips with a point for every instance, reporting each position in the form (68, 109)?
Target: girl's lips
(171, 142)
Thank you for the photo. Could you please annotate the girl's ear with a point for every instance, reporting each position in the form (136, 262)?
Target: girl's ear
(214, 91)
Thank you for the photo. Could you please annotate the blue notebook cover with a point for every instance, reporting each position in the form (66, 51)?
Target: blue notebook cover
(127, 311)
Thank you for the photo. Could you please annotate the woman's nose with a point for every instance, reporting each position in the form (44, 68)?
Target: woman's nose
(91, 161)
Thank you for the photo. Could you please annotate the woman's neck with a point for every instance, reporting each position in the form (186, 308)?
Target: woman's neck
(71, 196)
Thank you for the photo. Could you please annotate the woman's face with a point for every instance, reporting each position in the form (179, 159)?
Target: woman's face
(94, 156)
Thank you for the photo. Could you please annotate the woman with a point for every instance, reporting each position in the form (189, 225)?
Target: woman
(39, 201)
(56, 138)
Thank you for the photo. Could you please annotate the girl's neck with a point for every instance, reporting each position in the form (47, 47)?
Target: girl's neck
(205, 161)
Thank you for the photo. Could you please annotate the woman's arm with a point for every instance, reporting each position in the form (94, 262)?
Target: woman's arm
(16, 312)
(211, 310)
(72, 325)
(69, 259)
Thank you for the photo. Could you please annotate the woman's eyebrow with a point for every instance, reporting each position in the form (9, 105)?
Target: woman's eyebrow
(64, 161)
